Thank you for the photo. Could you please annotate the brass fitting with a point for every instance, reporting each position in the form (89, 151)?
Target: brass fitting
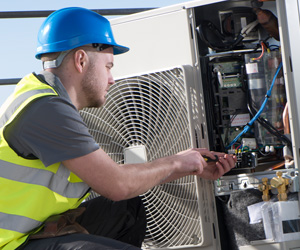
(265, 188)
(281, 184)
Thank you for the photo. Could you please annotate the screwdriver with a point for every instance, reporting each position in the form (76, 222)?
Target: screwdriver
(207, 159)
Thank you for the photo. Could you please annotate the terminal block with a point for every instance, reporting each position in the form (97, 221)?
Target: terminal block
(246, 160)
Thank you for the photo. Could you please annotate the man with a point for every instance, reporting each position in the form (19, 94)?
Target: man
(49, 161)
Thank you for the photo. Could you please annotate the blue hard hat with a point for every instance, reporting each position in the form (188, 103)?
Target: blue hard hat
(72, 27)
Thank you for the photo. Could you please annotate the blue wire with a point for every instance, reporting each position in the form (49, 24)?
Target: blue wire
(248, 126)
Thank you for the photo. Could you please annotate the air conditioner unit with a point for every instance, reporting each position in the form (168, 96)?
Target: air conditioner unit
(189, 80)
(150, 116)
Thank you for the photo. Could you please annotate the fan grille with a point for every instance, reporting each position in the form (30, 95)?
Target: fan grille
(151, 110)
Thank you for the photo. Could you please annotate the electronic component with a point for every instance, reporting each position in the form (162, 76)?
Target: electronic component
(246, 160)
(229, 74)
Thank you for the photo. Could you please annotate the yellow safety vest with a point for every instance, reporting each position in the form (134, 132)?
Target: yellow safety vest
(29, 191)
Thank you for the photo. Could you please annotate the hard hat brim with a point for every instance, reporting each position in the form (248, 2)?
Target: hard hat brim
(119, 49)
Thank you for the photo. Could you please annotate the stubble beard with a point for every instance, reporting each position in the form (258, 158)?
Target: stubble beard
(89, 90)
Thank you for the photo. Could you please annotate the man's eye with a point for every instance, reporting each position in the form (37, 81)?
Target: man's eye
(109, 66)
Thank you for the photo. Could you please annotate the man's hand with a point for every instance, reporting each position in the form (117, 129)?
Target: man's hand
(214, 170)
(194, 162)
(208, 170)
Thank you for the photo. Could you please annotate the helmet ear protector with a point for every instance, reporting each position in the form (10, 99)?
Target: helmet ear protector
(72, 27)
(57, 62)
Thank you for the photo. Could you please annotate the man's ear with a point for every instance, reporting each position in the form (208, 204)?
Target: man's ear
(80, 60)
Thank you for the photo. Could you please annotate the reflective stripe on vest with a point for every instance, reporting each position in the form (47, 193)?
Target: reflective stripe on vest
(57, 182)
(18, 101)
(29, 191)
(17, 223)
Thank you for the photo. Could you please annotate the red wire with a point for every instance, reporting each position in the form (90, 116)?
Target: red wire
(262, 52)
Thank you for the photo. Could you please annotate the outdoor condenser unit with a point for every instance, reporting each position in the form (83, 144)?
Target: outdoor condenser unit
(198, 74)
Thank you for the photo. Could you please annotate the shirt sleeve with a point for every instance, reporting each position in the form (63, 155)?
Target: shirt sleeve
(52, 130)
